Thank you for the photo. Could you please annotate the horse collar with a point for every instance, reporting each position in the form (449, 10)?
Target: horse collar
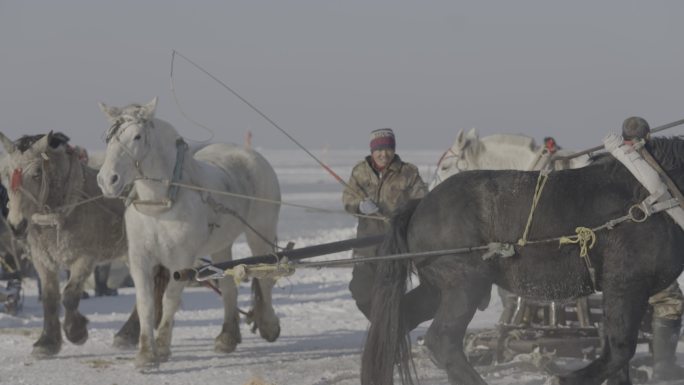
(145, 207)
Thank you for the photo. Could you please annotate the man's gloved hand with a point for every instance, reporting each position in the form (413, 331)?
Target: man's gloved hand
(368, 207)
(612, 141)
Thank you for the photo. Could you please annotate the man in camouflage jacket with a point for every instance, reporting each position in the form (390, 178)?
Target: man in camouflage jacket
(378, 186)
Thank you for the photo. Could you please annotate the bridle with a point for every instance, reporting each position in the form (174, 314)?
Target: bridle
(115, 132)
(17, 183)
(44, 210)
(119, 127)
(461, 163)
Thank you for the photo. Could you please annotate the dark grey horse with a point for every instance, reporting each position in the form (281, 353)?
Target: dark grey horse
(632, 261)
(50, 200)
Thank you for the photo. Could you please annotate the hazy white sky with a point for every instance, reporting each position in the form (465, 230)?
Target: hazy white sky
(331, 71)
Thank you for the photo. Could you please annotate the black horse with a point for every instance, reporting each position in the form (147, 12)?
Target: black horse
(632, 261)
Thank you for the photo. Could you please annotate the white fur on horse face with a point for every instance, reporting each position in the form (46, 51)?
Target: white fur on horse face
(127, 146)
(121, 155)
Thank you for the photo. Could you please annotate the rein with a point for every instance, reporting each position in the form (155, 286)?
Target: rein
(257, 199)
(175, 184)
(449, 153)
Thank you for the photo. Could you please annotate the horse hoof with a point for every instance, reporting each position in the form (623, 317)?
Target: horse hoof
(76, 329)
(145, 362)
(226, 343)
(78, 338)
(45, 351)
(163, 354)
(270, 334)
(124, 342)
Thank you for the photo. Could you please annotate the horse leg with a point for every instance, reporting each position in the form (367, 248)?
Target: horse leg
(420, 305)
(229, 338)
(265, 318)
(50, 341)
(170, 304)
(361, 286)
(623, 310)
(75, 323)
(621, 377)
(445, 335)
(142, 274)
(127, 336)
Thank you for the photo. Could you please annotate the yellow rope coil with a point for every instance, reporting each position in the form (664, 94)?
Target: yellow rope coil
(586, 238)
(264, 270)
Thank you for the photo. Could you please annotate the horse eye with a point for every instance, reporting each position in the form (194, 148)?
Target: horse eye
(137, 137)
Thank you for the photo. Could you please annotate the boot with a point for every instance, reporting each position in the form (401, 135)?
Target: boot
(665, 339)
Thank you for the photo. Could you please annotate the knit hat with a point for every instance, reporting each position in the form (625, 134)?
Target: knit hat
(635, 127)
(381, 139)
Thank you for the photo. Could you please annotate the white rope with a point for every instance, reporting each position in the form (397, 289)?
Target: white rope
(266, 200)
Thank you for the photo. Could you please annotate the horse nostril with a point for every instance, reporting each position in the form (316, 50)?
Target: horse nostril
(114, 178)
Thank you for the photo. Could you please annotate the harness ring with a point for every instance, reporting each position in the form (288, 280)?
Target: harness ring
(634, 210)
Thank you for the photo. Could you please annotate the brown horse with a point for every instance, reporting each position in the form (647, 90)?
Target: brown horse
(52, 195)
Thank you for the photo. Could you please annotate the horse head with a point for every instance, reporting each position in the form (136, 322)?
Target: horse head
(129, 146)
(40, 167)
(461, 156)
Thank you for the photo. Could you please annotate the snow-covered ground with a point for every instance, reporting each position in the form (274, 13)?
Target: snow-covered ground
(322, 331)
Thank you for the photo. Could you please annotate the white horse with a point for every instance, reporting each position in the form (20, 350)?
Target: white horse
(174, 227)
(500, 152)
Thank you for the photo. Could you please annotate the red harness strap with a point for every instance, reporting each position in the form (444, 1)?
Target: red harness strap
(16, 181)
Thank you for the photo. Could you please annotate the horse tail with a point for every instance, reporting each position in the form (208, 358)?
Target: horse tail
(388, 340)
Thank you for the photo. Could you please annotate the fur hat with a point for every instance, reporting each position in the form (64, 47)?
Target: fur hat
(635, 127)
(382, 138)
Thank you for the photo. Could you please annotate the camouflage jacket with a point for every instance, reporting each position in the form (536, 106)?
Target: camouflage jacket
(390, 190)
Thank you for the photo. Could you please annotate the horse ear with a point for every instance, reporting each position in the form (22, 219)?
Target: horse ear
(473, 138)
(473, 134)
(465, 139)
(112, 113)
(7, 143)
(460, 140)
(149, 108)
(42, 144)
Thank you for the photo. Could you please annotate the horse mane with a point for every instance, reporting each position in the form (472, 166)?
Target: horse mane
(669, 151)
(511, 139)
(26, 141)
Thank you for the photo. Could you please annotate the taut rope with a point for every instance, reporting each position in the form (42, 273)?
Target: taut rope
(541, 181)
(269, 120)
